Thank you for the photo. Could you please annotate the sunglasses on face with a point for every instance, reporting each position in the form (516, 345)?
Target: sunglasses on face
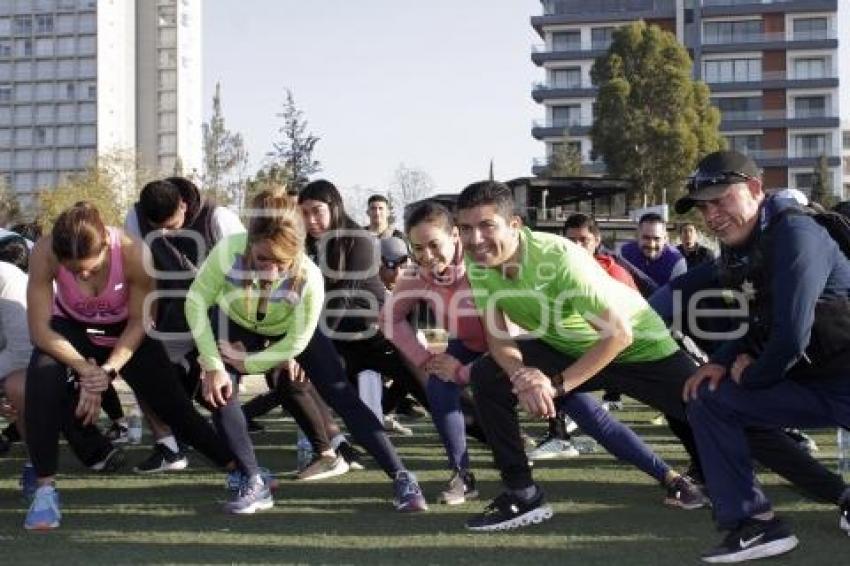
(393, 264)
(701, 180)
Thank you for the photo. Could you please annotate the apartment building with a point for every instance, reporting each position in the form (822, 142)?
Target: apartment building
(774, 68)
(81, 78)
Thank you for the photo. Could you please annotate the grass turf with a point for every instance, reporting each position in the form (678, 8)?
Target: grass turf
(605, 513)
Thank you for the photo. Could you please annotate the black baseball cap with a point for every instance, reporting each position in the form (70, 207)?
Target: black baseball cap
(715, 172)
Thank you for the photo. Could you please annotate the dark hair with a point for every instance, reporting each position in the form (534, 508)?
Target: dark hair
(159, 200)
(428, 211)
(651, 218)
(686, 225)
(378, 198)
(79, 233)
(325, 191)
(580, 220)
(14, 250)
(488, 193)
(29, 230)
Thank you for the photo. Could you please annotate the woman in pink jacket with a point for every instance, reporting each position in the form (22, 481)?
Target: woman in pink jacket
(439, 279)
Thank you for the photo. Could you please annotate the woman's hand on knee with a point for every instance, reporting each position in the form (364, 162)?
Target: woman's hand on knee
(217, 387)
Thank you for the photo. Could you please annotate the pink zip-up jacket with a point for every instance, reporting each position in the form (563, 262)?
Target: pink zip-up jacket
(450, 298)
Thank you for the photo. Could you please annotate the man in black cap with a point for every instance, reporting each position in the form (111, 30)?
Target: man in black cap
(792, 365)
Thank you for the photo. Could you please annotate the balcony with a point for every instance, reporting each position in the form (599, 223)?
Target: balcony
(772, 80)
(542, 53)
(789, 157)
(575, 89)
(753, 119)
(557, 12)
(826, 39)
(748, 7)
(575, 126)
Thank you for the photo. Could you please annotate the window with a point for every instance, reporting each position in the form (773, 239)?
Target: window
(23, 137)
(167, 101)
(168, 37)
(5, 48)
(23, 92)
(65, 135)
(44, 114)
(46, 179)
(23, 115)
(66, 113)
(88, 23)
(42, 135)
(66, 23)
(5, 93)
(23, 48)
(65, 46)
(87, 45)
(804, 180)
(167, 16)
(732, 70)
(22, 25)
(566, 41)
(44, 23)
(88, 112)
(45, 70)
(5, 27)
(88, 67)
(23, 159)
(601, 38)
(66, 69)
(563, 116)
(167, 57)
(811, 145)
(167, 79)
(810, 28)
(5, 116)
(168, 121)
(748, 143)
(739, 107)
(167, 143)
(732, 32)
(66, 158)
(810, 68)
(44, 159)
(24, 182)
(560, 146)
(566, 78)
(845, 140)
(5, 137)
(5, 160)
(88, 91)
(5, 71)
(85, 157)
(43, 92)
(87, 135)
(810, 106)
(44, 47)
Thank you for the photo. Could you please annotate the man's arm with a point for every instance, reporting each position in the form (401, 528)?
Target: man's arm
(616, 336)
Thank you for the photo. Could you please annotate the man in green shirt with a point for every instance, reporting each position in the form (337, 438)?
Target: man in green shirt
(587, 331)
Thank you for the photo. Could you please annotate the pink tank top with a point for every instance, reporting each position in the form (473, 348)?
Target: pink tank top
(111, 306)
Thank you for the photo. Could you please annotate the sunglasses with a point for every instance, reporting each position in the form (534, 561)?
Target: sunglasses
(393, 264)
(702, 180)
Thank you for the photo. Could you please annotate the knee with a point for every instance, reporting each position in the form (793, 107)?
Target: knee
(14, 386)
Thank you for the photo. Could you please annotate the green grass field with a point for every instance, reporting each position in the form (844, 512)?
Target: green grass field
(606, 513)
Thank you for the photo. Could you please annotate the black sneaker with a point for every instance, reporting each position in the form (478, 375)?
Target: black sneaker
(508, 511)
(682, 492)
(753, 539)
(162, 459)
(112, 461)
(351, 455)
(844, 516)
(11, 433)
(254, 426)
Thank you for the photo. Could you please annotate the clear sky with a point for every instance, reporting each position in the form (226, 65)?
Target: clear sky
(440, 85)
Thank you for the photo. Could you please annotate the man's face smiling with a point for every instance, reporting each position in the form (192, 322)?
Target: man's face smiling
(733, 215)
(489, 238)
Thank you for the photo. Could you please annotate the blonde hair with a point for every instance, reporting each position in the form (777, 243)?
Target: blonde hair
(275, 217)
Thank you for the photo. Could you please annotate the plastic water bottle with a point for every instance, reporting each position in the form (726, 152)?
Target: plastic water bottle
(134, 427)
(844, 452)
(303, 450)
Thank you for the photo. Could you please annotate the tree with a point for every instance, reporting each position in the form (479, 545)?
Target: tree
(10, 206)
(294, 152)
(652, 121)
(111, 182)
(409, 185)
(565, 161)
(225, 157)
(822, 192)
(268, 177)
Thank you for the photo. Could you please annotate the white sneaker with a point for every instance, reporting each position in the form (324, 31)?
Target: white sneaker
(612, 405)
(391, 425)
(551, 448)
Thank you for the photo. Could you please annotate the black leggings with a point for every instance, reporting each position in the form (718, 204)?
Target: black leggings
(51, 398)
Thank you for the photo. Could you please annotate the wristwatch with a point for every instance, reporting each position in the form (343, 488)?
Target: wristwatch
(111, 372)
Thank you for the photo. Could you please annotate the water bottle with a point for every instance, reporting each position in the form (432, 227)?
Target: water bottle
(134, 427)
(844, 452)
(303, 450)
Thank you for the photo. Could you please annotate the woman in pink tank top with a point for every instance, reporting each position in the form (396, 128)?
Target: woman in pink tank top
(91, 329)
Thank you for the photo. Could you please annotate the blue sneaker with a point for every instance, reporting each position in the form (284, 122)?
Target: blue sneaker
(253, 496)
(408, 494)
(43, 514)
(28, 482)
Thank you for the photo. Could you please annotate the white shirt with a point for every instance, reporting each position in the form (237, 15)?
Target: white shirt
(15, 345)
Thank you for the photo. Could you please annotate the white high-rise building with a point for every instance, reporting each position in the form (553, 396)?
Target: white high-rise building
(81, 78)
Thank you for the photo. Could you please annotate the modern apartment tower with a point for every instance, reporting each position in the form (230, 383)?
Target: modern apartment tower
(81, 78)
(777, 70)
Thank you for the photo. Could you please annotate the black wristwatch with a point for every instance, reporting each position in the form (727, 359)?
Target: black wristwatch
(111, 372)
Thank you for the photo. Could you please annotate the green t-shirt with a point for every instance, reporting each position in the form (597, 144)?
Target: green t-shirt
(558, 287)
(294, 306)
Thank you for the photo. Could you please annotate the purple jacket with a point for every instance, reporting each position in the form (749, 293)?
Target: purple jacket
(669, 265)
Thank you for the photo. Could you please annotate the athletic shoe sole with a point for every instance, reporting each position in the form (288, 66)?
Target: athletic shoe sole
(113, 462)
(533, 517)
(672, 502)
(565, 454)
(766, 550)
(264, 505)
(42, 527)
(468, 496)
(175, 466)
(338, 471)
